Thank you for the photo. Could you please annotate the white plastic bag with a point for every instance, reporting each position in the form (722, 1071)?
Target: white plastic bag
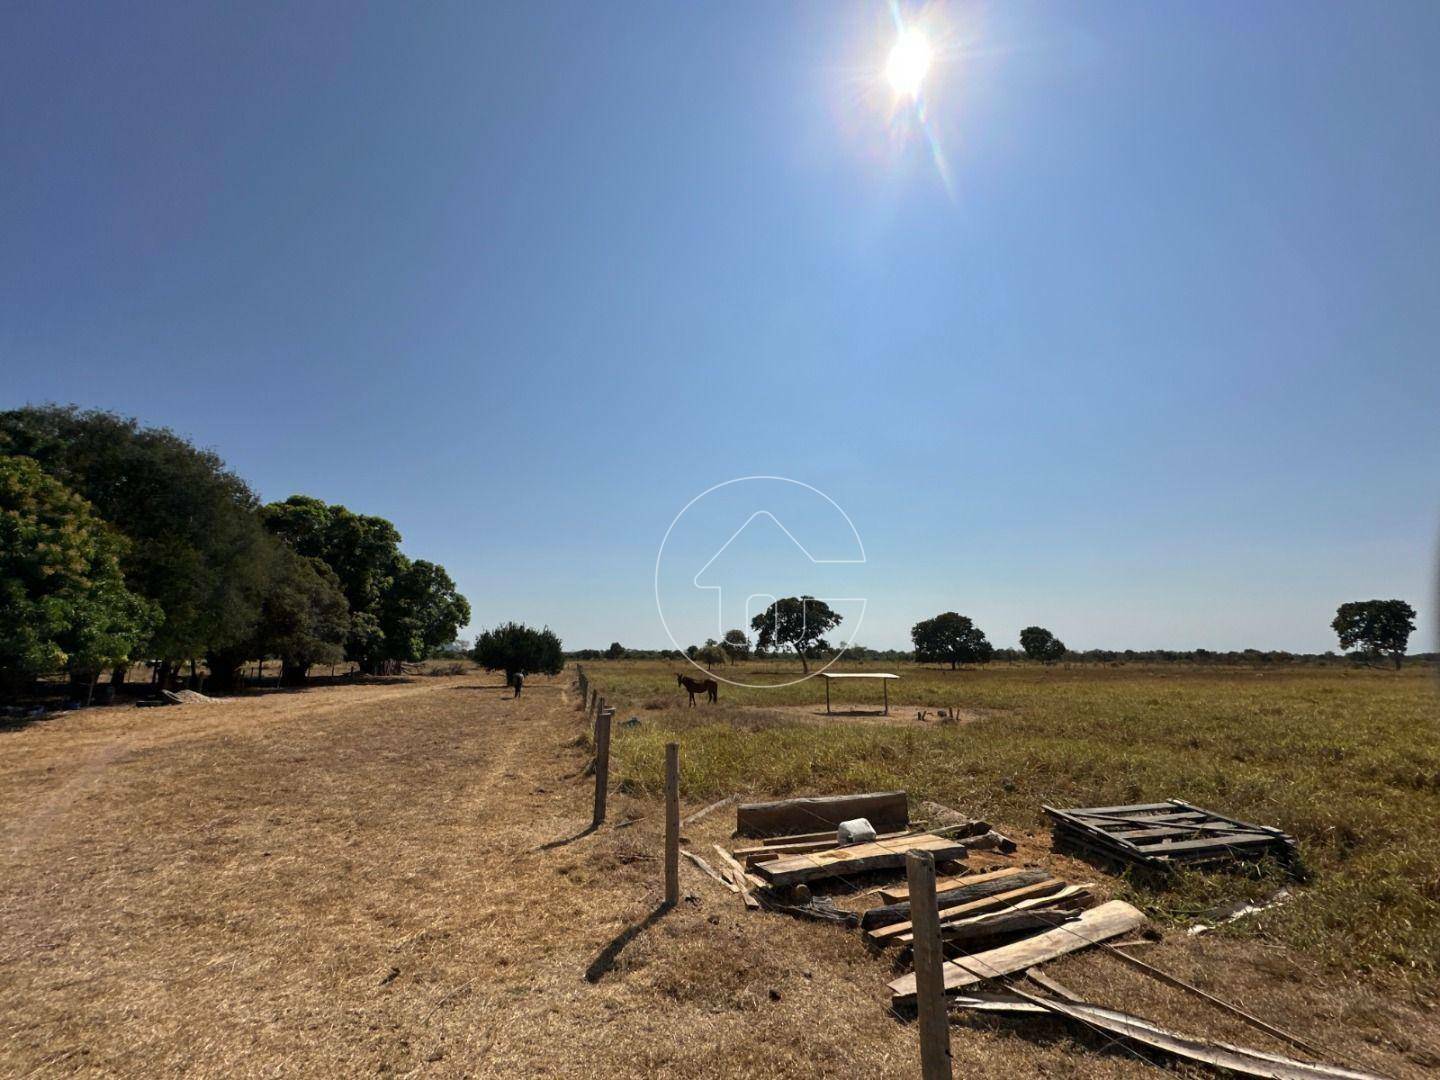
(856, 831)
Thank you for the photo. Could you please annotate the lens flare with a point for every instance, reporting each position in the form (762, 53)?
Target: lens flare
(909, 62)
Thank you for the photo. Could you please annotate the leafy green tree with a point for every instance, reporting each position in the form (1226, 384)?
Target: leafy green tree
(304, 619)
(736, 645)
(1375, 628)
(196, 548)
(615, 651)
(515, 647)
(63, 600)
(401, 610)
(1041, 644)
(951, 638)
(421, 612)
(796, 622)
(710, 654)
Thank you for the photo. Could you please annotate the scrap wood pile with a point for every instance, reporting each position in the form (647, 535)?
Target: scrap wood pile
(1160, 836)
(997, 926)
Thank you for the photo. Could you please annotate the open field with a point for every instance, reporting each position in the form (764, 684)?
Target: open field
(1347, 760)
(394, 877)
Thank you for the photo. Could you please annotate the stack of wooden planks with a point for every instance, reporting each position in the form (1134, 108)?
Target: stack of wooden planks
(1088, 928)
(1157, 836)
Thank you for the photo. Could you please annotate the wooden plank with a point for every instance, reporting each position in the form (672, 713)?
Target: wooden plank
(896, 894)
(1233, 1010)
(886, 935)
(1097, 924)
(709, 870)
(1036, 913)
(1054, 986)
(738, 876)
(1170, 847)
(1237, 1059)
(963, 894)
(698, 814)
(1136, 808)
(929, 977)
(856, 859)
(770, 850)
(887, 810)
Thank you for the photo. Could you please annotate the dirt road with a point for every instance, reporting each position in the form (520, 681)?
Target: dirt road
(355, 880)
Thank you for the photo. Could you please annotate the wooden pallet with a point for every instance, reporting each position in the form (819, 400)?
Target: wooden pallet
(1159, 836)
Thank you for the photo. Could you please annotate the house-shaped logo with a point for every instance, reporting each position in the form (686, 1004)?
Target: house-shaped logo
(760, 562)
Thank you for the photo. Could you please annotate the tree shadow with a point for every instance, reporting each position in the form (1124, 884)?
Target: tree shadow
(569, 839)
(486, 686)
(608, 955)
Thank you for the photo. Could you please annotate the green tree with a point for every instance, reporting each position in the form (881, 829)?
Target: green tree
(1375, 628)
(796, 622)
(615, 651)
(63, 600)
(400, 610)
(304, 619)
(736, 645)
(196, 548)
(951, 638)
(515, 647)
(421, 612)
(1041, 644)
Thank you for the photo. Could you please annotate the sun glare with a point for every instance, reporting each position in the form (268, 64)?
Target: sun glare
(909, 61)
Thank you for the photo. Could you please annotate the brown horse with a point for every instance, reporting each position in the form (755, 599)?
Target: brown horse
(709, 687)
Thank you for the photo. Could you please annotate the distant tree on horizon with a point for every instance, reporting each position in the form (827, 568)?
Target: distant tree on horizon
(950, 637)
(1375, 628)
(1040, 644)
(796, 622)
(615, 651)
(736, 645)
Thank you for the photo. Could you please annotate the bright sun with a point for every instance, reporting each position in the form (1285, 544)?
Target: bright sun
(908, 63)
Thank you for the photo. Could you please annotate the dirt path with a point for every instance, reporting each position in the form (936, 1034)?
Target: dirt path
(398, 880)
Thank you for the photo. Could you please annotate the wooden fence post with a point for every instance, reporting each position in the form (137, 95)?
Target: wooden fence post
(929, 964)
(672, 824)
(602, 762)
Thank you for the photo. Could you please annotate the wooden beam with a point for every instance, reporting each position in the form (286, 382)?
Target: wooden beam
(856, 859)
(709, 870)
(895, 894)
(955, 899)
(1233, 1010)
(738, 876)
(1036, 913)
(1236, 1059)
(885, 935)
(1097, 924)
(886, 810)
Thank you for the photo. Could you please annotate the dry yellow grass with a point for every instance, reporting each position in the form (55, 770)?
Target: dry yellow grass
(353, 880)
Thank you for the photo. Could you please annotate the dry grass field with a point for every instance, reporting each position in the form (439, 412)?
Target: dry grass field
(395, 878)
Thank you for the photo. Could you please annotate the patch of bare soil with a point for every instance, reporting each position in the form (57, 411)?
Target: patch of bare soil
(399, 879)
(899, 716)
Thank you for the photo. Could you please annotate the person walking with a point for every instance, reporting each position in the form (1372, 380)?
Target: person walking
(519, 681)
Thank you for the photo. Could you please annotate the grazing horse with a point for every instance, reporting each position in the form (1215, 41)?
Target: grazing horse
(709, 687)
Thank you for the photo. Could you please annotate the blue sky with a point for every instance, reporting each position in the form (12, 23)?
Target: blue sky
(1156, 368)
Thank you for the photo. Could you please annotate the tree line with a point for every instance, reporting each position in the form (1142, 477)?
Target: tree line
(120, 542)
(1372, 631)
